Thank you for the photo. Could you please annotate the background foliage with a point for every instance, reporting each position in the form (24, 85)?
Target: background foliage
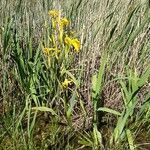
(107, 106)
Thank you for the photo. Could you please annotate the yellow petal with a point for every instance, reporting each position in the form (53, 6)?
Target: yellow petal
(64, 22)
(66, 83)
(68, 40)
(76, 44)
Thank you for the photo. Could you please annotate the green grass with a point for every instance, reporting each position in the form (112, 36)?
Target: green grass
(107, 104)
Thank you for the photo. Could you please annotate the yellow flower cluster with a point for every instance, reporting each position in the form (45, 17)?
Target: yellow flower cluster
(59, 23)
(57, 20)
(61, 43)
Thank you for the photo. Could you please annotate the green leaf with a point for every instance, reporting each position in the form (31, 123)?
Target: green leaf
(45, 109)
(144, 77)
(94, 81)
(109, 111)
(130, 139)
(98, 78)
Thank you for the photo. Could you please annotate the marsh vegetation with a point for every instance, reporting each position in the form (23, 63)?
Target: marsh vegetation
(74, 74)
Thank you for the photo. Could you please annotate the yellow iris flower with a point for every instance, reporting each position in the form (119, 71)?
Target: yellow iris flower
(64, 22)
(74, 42)
(54, 13)
(66, 83)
